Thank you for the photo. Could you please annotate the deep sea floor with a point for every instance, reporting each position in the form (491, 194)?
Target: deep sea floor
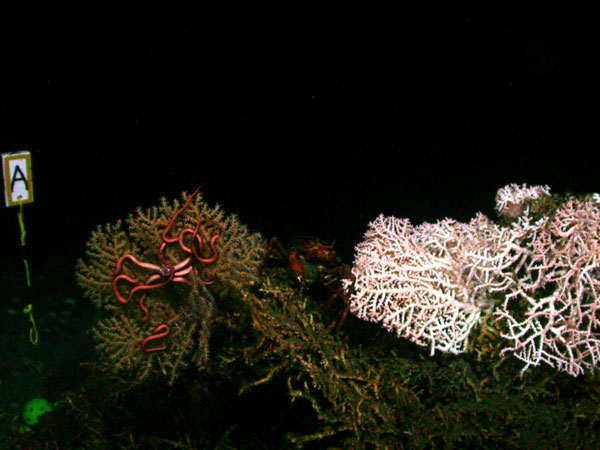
(52, 368)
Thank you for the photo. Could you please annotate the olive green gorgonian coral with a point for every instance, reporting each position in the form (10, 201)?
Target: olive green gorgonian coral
(159, 275)
(119, 337)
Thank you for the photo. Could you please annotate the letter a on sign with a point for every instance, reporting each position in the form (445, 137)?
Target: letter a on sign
(18, 183)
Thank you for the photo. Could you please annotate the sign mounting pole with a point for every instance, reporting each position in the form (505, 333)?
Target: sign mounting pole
(18, 190)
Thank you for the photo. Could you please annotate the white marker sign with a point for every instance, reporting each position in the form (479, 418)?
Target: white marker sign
(18, 182)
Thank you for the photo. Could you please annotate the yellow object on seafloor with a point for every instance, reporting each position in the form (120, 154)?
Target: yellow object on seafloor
(33, 333)
(23, 234)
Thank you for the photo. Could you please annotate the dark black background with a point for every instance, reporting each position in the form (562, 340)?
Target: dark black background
(307, 121)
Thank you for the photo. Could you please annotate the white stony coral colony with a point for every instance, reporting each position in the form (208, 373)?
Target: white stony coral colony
(431, 283)
(558, 289)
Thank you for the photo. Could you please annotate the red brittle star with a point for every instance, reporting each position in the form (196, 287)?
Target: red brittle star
(159, 332)
(166, 271)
